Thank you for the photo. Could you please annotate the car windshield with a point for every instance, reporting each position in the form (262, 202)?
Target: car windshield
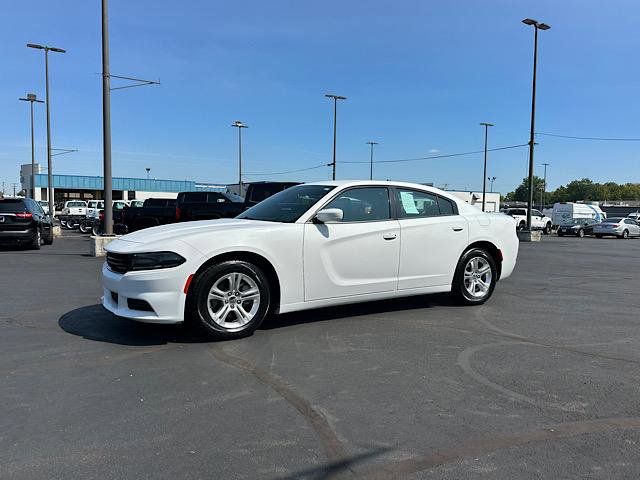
(11, 206)
(612, 220)
(287, 206)
(76, 204)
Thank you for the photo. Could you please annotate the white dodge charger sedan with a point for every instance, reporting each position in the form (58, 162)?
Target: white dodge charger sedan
(312, 245)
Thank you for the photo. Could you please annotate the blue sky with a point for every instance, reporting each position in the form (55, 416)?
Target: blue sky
(419, 77)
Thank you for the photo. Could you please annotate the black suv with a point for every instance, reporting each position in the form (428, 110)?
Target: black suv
(23, 221)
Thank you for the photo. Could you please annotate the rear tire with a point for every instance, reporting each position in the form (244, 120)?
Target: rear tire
(547, 229)
(475, 278)
(624, 235)
(36, 241)
(84, 228)
(521, 226)
(229, 300)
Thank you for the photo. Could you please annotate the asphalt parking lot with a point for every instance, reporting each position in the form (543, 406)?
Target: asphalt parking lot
(541, 382)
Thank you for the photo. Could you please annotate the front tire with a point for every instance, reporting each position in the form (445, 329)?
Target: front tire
(85, 228)
(475, 277)
(230, 300)
(580, 233)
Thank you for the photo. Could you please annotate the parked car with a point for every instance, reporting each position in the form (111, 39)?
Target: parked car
(539, 221)
(207, 206)
(634, 216)
(45, 205)
(311, 245)
(73, 212)
(24, 222)
(617, 227)
(579, 229)
(154, 212)
(259, 191)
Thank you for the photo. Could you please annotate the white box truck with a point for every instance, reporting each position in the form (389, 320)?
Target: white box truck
(569, 213)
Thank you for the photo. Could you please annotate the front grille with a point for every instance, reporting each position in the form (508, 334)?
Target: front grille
(119, 262)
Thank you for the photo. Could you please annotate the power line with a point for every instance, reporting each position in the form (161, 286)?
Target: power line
(288, 171)
(440, 156)
(590, 138)
(392, 161)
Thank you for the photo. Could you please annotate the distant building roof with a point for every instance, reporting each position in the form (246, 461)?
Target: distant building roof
(82, 182)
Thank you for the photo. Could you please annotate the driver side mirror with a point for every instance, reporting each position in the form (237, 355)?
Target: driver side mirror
(329, 215)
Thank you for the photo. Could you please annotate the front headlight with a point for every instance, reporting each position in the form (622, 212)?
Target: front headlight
(155, 260)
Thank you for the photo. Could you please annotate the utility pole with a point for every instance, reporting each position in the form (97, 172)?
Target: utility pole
(31, 97)
(239, 125)
(536, 26)
(148, 170)
(335, 121)
(106, 124)
(491, 179)
(544, 183)
(484, 173)
(371, 159)
(46, 76)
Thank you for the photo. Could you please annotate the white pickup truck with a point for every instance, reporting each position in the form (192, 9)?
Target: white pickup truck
(539, 221)
(75, 208)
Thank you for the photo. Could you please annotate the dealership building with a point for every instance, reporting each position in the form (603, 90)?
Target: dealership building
(82, 187)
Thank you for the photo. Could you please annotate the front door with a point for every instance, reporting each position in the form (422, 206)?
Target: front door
(356, 256)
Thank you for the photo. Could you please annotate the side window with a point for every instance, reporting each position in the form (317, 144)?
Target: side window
(536, 213)
(446, 206)
(363, 204)
(413, 203)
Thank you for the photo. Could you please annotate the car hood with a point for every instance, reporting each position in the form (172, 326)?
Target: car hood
(184, 231)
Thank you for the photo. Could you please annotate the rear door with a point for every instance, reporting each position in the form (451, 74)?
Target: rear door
(358, 255)
(434, 236)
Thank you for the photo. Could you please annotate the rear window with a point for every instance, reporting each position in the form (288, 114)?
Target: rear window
(12, 206)
(76, 204)
(207, 197)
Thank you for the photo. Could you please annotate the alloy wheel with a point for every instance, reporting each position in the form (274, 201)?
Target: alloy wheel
(477, 277)
(233, 301)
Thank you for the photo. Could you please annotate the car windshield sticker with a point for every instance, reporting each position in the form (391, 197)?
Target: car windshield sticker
(408, 204)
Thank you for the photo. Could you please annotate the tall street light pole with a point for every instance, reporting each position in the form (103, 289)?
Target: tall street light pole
(536, 26)
(491, 179)
(47, 49)
(106, 124)
(484, 173)
(239, 125)
(31, 97)
(335, 120)
(371, 160)
(544, 183)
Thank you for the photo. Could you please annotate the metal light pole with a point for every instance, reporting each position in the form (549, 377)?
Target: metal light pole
(239, 125)
(371, 160)
(46, 76)
(484, 174)
(148, 170)
(536, 26)
(491, 179)
(106, 124)
(544, 188)
(335, 120)
(31, 97)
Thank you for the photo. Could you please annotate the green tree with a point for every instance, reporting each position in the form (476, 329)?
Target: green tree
(521, 193)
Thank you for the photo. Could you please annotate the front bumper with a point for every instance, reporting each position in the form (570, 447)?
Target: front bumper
(163, 290)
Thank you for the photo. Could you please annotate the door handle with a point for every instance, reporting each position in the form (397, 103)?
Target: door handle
(390, 236)
(457, 229)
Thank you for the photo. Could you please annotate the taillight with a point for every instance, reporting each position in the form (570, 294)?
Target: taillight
(178, 213)
(101, 216)
(24, 215)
